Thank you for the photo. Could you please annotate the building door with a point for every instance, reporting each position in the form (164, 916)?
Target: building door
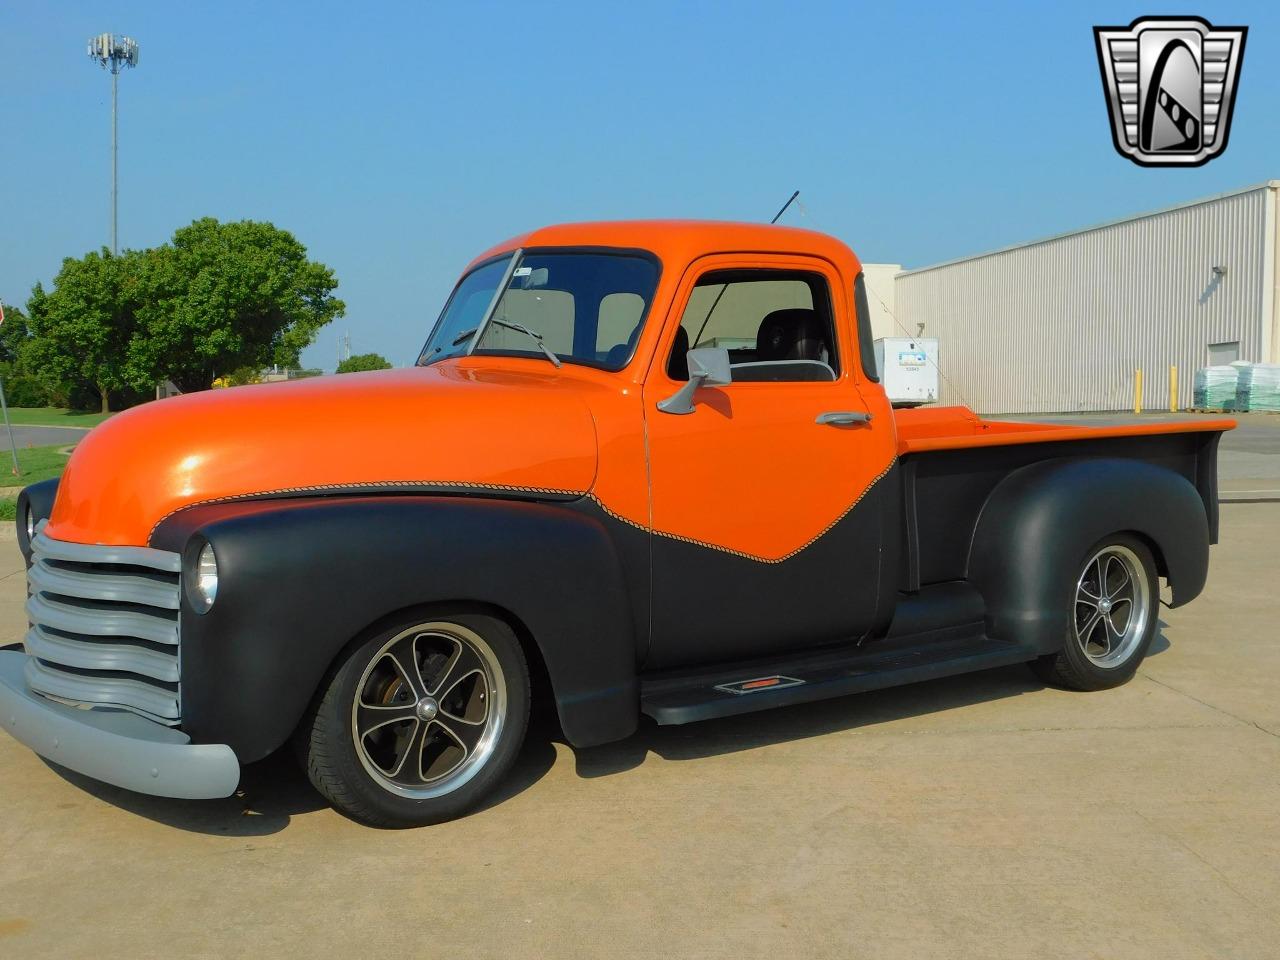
(1221, 354)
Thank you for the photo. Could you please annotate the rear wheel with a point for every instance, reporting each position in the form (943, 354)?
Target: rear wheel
(1114, 607)
(420, 722)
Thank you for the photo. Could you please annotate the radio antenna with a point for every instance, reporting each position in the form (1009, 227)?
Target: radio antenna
(715, 303)
(784, 207)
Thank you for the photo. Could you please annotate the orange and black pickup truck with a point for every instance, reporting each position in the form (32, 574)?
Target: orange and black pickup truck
(639, 469)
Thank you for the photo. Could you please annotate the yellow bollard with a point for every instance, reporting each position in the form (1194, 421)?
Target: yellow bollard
(1137, 390)
(1173, 389)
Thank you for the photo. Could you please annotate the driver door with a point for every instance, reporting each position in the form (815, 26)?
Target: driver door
(766, 522)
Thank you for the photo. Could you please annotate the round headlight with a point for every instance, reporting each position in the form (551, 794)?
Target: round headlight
(207, 575)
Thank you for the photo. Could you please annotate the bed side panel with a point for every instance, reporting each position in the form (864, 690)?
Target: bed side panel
(952, 486)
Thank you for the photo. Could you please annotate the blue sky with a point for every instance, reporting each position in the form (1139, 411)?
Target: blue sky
(398, 140)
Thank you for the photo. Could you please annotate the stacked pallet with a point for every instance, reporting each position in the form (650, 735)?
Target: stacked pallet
(1217, 388)
(1258, 387)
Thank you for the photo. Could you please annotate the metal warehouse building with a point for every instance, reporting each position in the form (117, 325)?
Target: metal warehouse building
(1062, 324)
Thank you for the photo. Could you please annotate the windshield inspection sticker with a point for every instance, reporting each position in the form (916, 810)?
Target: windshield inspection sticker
(523, 271)
(1170, 84)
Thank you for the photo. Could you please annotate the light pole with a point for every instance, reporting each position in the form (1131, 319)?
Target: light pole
(113, 53)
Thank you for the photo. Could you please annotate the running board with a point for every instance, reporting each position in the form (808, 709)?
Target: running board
(703, 693)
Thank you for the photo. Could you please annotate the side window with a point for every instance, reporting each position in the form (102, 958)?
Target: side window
(776, 324)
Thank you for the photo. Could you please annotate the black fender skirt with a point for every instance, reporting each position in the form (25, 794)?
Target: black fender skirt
(1038, 522)
(300, 579)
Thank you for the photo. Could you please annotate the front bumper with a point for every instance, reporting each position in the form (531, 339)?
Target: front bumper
(114, 746)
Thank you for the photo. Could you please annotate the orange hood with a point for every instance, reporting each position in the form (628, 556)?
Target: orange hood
(438, 425)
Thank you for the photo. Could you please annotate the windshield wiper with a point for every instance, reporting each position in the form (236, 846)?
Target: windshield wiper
(512, 325)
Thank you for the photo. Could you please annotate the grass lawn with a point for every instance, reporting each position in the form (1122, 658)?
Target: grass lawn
(53, 417)
(37, 463)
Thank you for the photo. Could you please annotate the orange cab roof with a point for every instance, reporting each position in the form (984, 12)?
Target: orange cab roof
(681, 241)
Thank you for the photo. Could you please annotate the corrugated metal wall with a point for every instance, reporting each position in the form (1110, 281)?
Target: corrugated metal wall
(881, 280)
(1061, 325)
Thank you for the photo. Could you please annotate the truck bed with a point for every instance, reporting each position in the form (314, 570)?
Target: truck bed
(953, 428)
(952, 459)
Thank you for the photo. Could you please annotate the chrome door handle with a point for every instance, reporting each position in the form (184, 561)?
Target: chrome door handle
(843, 418)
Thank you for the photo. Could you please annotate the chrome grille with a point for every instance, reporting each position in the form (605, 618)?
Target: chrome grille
(104, 627)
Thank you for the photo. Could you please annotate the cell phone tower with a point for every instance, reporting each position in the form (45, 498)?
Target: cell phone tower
(113, 53)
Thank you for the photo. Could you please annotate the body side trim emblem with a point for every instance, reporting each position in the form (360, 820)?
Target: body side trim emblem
(758, 685)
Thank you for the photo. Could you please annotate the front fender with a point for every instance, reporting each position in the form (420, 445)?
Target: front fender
(299, 579)
(38, 498)
(1037, 523)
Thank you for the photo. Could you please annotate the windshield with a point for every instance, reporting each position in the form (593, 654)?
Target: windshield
(464, 311)
(584, 308)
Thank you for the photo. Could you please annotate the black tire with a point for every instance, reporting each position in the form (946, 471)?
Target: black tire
(362, 782)
(1074, 668)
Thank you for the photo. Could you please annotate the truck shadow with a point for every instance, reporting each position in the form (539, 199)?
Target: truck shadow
(787, 724)
(275, 790)
(271, 793)
(751, 731)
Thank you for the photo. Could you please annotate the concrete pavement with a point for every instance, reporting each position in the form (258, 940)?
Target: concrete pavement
(981, 816)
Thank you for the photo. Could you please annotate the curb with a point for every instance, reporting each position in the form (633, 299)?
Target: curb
(50, 426)
(1248, 496)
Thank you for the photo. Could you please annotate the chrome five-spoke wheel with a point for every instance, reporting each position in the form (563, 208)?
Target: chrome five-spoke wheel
(1112, 606)
(1112, 618)
(429, 709)
(419, 721)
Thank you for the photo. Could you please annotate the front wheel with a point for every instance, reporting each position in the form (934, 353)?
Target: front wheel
(420, 722)
(1115, 601)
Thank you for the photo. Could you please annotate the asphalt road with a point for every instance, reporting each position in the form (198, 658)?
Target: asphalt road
(1254, 432)
(1248, 456)
(982, 816)
(43, 436)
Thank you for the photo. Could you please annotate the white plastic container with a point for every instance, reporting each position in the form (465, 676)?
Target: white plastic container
(908, 369)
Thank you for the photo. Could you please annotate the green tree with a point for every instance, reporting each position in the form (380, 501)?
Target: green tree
(83, 328)
(13, 333)
(223, 296)
(23, 384)
(364, 361)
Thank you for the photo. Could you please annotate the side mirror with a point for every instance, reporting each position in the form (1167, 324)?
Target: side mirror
(708, 367)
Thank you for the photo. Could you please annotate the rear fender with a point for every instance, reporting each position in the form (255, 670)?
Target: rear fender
(1038, 522)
